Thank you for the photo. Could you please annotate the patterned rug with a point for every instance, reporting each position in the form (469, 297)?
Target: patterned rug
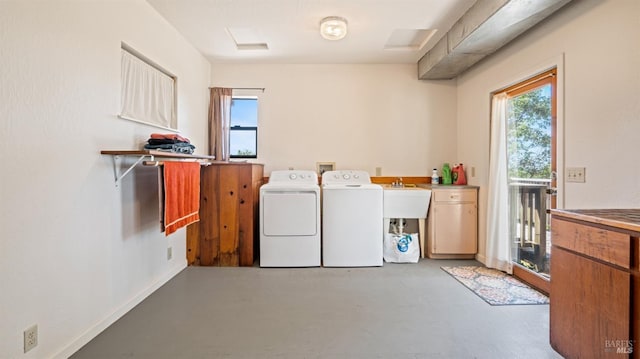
(496, 287)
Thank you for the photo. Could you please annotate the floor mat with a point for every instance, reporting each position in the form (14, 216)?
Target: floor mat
(496, 287)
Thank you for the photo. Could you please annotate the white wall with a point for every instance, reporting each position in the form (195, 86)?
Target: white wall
(75, 251)
(358, 116)
(598, 45)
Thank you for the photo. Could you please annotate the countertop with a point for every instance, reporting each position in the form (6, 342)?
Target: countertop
(446, 186)
(619, 218)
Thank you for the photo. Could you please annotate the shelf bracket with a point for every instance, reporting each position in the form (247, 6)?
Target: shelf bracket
(116, 166)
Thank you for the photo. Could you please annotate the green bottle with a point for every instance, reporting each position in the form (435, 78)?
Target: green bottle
(446, 174)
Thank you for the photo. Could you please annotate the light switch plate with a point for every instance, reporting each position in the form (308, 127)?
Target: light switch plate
(575, 174)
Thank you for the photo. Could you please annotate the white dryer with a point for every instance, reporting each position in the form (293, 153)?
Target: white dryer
(352, 225)
(290, 220)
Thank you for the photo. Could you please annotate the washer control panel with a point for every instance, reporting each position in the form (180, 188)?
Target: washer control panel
(346, 177)
(293, 176)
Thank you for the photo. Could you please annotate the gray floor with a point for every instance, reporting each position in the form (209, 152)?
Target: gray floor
(397, 311)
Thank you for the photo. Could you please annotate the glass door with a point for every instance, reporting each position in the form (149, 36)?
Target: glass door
(531, 156)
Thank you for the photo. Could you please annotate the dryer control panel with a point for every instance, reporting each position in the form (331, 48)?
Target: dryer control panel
(293, 176)
(346, 177)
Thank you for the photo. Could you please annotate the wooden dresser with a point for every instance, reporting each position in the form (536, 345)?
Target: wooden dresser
(227, 234)
(595, 283)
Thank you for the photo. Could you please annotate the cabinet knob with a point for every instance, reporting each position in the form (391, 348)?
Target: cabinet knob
(231, 193)
(242, 201)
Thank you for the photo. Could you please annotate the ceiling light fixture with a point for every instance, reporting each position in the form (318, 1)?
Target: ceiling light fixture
(333, 27)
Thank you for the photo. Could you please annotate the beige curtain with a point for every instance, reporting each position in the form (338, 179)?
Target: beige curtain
(498, 251)
(219, 120)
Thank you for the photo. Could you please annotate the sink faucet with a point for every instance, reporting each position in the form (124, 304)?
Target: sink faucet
(397, 183)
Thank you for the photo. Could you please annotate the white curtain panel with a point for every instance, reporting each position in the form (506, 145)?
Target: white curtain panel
(498, 253)
(147, 94)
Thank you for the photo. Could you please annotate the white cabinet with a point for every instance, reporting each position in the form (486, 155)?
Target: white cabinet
(453, 222)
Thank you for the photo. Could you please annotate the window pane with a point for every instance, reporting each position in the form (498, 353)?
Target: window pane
(244, 112)
(529, 134)
(242, 143)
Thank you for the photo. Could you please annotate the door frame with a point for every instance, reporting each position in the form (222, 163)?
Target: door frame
(556, 62)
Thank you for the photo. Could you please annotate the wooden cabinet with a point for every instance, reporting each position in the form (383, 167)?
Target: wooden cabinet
(227, 234)
(594, 301)
(452, 223)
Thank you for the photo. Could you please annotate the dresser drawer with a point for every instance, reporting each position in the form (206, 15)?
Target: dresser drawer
(599, 243)
(454, 195)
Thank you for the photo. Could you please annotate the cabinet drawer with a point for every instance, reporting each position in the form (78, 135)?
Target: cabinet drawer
(454, 195)
(599, 243)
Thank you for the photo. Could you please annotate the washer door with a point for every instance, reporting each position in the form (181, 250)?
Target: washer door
(290, 213)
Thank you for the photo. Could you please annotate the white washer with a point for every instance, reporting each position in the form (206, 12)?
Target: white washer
(290, 220)
(351, 220)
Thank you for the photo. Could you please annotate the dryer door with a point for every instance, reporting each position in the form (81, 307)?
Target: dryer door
(290, 213)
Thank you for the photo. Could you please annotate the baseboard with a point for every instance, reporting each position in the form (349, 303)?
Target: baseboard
(481, 258)
(93, 332)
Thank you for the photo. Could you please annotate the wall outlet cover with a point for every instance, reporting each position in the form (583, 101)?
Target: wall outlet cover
(30, 338)
(575, 174)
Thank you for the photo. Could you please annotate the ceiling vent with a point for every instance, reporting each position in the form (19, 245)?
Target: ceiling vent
(409, 39)
(247, 38)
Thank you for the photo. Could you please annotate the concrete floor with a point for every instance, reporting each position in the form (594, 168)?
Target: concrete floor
(397, 311)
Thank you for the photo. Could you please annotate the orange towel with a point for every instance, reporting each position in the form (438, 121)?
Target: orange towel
(181, 194)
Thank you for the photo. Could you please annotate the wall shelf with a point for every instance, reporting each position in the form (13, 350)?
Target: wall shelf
(150, 155)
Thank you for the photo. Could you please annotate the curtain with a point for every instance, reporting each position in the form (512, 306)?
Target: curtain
(147, 94)
(219, 122)
(498, 253)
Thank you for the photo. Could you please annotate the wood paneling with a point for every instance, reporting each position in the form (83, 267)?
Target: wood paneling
(226, 233)
(590, 303)
(609, 246)
(595, 286)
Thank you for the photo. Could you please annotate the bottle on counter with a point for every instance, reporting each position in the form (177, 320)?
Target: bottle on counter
(446, 174)
(459, 176)
(435, 179)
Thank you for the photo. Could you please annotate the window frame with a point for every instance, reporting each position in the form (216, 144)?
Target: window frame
(245, 128)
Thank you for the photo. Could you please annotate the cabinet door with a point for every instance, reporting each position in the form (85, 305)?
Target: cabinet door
(590, 306)
(455, 228)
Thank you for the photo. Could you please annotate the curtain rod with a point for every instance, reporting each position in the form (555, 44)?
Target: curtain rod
(245, 88)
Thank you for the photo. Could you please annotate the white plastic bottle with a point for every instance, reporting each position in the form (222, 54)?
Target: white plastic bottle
(435, 179)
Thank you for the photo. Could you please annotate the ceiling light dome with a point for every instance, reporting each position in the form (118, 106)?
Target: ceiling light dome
(333, 27)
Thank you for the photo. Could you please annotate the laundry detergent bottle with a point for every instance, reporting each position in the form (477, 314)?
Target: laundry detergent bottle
(446, 174)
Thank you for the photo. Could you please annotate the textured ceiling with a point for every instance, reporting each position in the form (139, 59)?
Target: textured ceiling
(289, 28)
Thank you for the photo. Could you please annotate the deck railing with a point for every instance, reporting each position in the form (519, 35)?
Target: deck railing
(528, 227)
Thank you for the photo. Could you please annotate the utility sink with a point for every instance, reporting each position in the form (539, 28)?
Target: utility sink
(405, 202)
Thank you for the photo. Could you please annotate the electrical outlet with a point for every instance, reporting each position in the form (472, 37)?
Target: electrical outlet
(169, 253)
(378, 171)
(30, 338)
(575, 174)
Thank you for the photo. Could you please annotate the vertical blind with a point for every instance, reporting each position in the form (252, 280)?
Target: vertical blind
(147, 94)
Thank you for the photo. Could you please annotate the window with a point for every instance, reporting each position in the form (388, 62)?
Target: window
(243, 131)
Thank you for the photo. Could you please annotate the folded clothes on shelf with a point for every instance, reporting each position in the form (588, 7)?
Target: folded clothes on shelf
(169, 143)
